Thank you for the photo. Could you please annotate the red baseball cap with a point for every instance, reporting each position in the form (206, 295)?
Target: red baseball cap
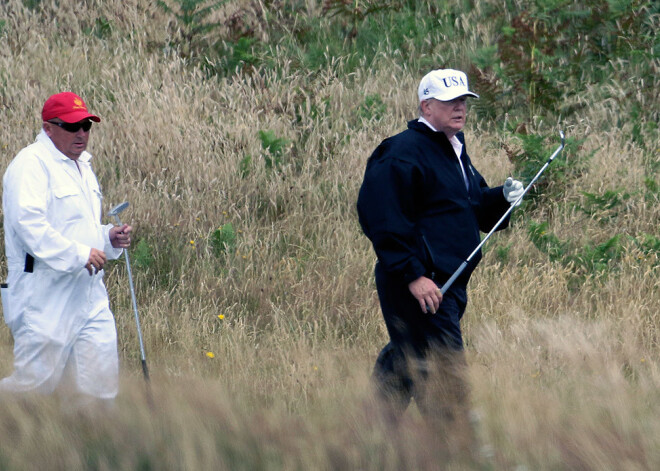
(68, 107)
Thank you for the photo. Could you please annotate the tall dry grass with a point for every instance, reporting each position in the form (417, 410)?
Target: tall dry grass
(562, 377)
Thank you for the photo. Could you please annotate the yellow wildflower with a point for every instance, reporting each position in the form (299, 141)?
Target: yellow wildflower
(210, 354)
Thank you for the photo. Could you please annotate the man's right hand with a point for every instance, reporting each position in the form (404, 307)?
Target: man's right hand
(427, 293)
(96, 261)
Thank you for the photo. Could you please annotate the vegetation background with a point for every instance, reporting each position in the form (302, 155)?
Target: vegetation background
(239, 131)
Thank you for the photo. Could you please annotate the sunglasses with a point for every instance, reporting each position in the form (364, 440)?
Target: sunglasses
(74, 127)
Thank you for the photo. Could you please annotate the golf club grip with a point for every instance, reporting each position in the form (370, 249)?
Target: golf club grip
(451, 280)
(145, 370)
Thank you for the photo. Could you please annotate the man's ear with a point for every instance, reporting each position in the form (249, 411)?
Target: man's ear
(423, 106)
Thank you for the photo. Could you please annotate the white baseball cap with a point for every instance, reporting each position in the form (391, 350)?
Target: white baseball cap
(444, 85)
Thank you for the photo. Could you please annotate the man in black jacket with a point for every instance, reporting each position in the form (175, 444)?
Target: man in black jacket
(422, 205)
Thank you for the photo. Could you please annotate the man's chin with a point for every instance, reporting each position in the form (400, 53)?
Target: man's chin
(74, 155)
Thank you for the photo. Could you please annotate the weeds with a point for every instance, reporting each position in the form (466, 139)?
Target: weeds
(142, 255)
(102, 28)
(274, 148)
(591, 259)
(528, 152)
(355, 11)
(373, 108)
(193, 17)
(603, 207)
(545, 241)
(223, 240)
(551, 51)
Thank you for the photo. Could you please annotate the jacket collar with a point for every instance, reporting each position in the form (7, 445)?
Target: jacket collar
(416, 125)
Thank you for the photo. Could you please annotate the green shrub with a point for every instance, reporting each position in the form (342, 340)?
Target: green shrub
(32, 4)
(373, 108)
(193, 18)
(603, 207)
(102, 28)
(551, 50)
(244, 166)
(598, 259)
(649, 245)
(274, 148)
(142, 256)
(529, 152)
(355, 11)
(652, 188)
(545, 241)
(590, 259)
(223, 240)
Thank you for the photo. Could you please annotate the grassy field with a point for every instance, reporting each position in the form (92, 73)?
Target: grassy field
(240, 138)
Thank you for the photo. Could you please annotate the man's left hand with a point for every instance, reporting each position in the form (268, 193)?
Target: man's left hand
(120, 236)
(512, 190)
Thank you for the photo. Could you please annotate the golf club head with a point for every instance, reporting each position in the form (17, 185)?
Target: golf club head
(118, 209)
(561, 134)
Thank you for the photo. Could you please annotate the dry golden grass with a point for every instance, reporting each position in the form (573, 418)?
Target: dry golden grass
(562, 377)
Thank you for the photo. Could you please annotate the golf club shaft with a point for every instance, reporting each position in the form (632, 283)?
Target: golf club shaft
(135, 310)
(143, 357)
(460, 269)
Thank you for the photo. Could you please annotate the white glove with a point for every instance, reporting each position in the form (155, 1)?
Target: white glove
(512, 190)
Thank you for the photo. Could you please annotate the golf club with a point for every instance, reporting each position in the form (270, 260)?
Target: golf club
(460, 269)
(115, 212)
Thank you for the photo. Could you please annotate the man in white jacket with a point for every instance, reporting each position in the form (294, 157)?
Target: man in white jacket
(55, 302)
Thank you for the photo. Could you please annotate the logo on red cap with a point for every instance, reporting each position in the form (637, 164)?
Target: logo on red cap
(78, 104)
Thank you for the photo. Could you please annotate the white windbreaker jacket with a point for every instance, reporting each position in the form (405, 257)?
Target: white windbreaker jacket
(53, 212)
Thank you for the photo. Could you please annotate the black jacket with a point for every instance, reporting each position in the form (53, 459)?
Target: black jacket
(414, 207)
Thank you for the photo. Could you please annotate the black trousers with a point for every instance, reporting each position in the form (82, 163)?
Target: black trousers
(419, 343)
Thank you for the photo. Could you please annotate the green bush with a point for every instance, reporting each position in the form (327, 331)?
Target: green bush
(102, 28)
(142, 256)
(548, 51)
(590, 259)
(598, 259)
(373, 108)
(529, 152)
(545, 241)
(193, 19)
(603, 207)
(649, 245)
(274, 148)
(223, 240)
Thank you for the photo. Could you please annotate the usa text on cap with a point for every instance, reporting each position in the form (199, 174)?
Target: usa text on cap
(444, 85)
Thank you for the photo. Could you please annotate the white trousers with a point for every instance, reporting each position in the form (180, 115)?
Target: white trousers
(88, 363)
